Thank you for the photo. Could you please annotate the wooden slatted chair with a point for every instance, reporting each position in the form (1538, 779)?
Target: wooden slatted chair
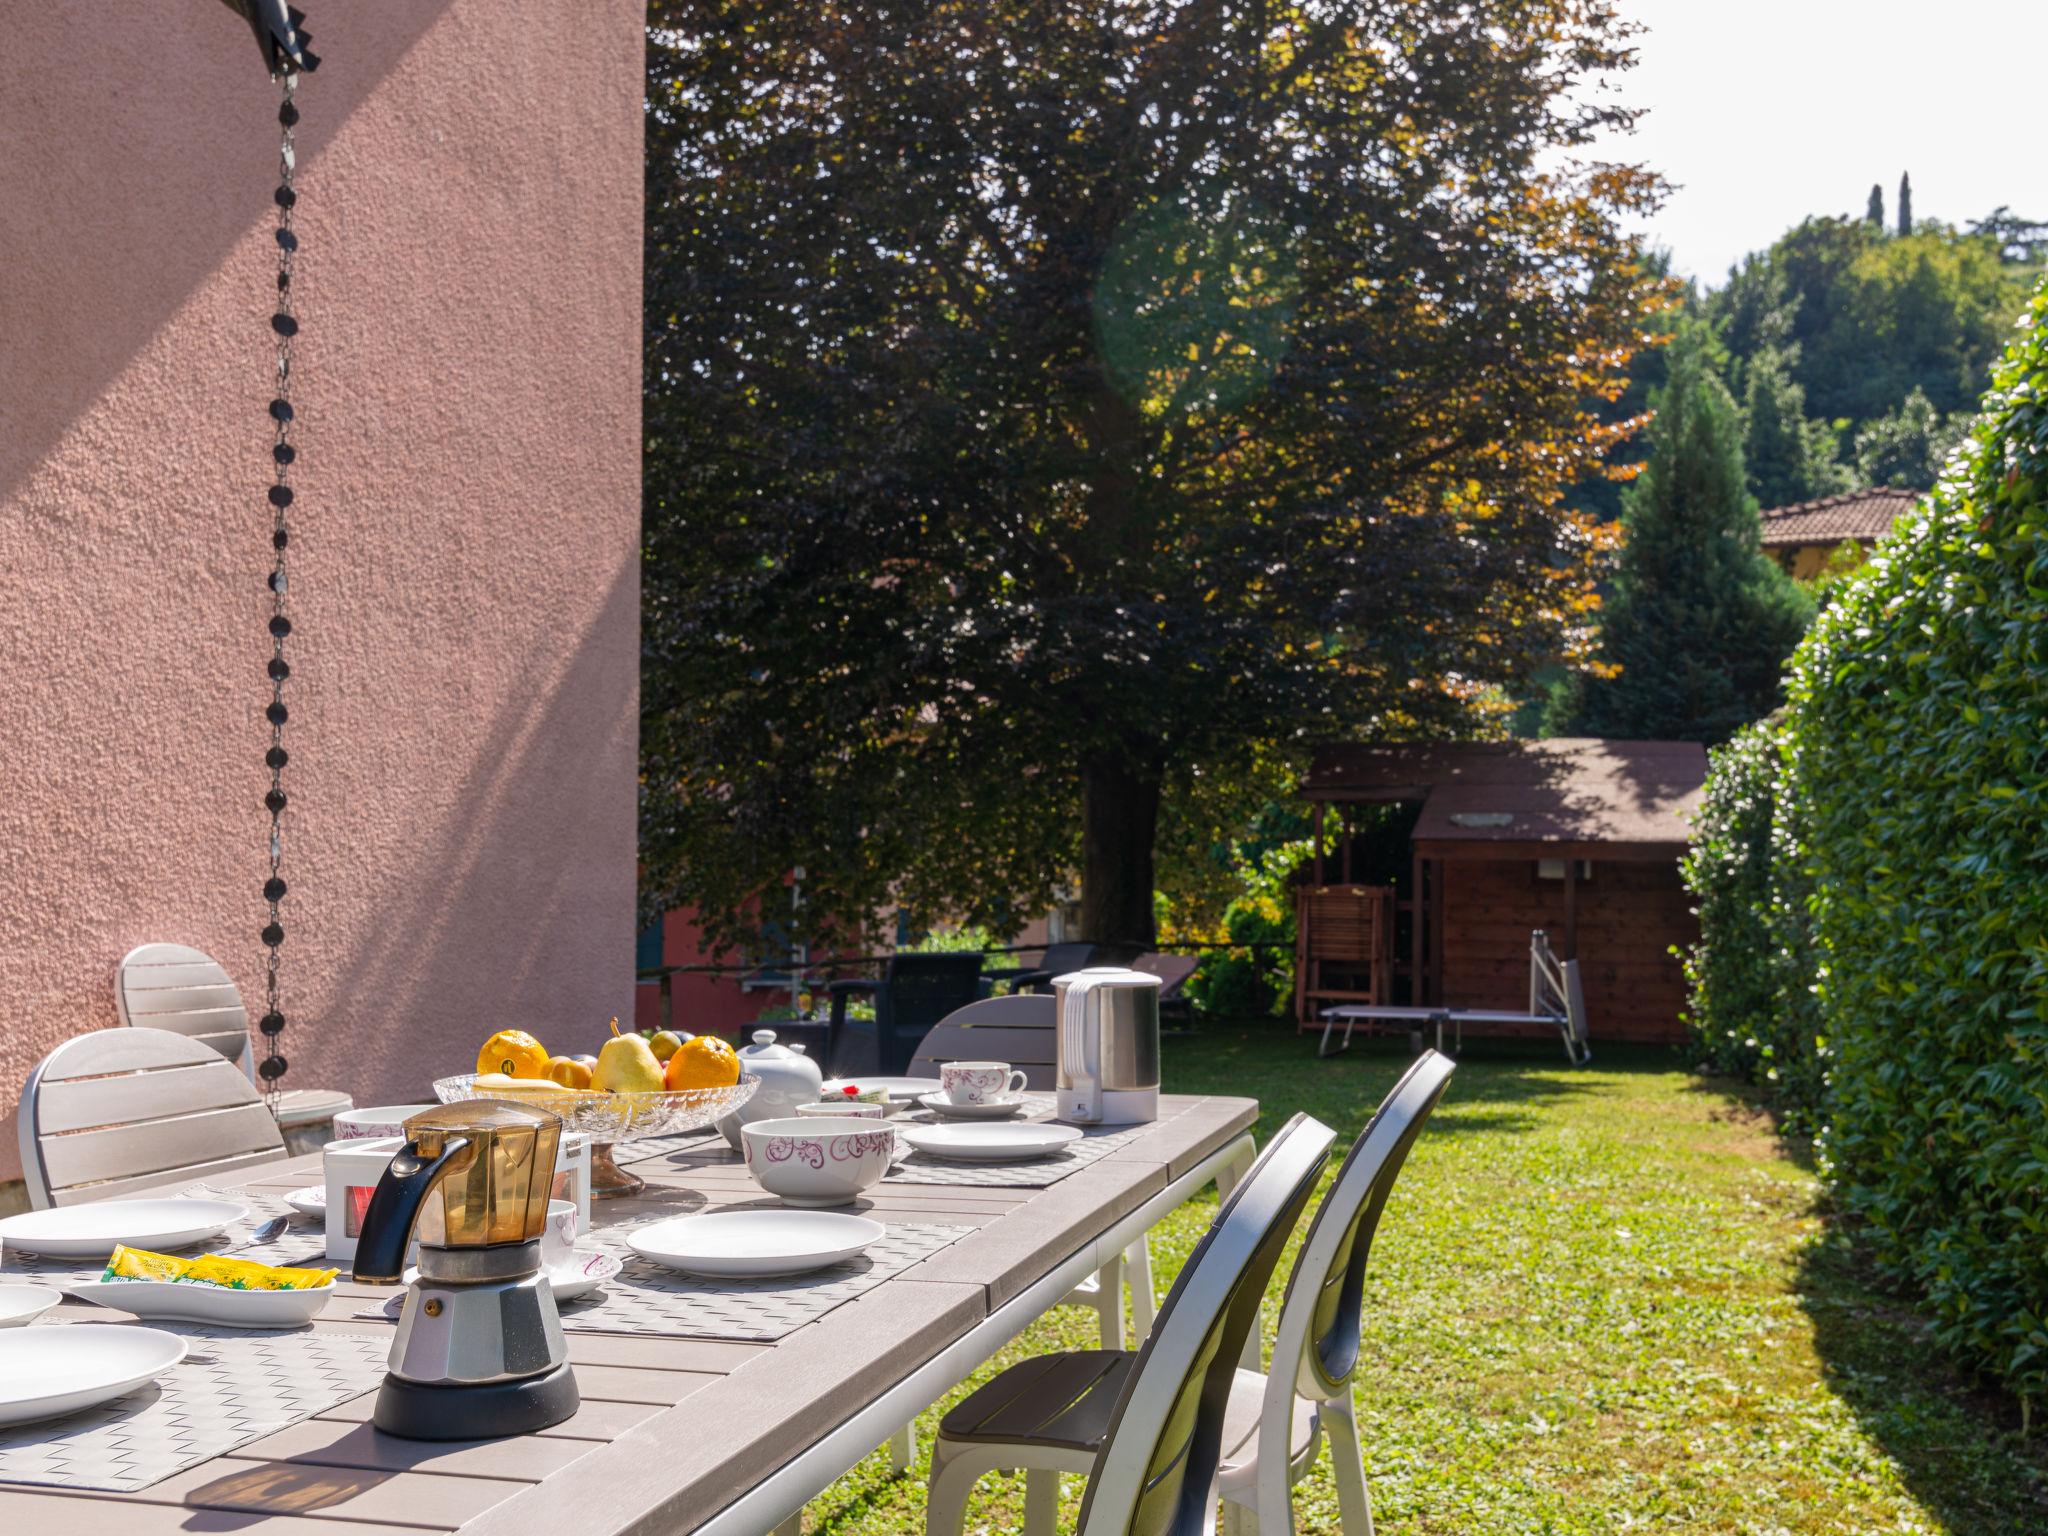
(1347, 930)
(1148, 1429)
(186, 991)
(119, 1109)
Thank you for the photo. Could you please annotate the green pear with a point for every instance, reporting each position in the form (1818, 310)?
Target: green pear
(626, 1064)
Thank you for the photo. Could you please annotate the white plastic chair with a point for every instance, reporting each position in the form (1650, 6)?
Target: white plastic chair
(1272, 1420)
(1149, 1429)
(184, 990)
(119, 1109)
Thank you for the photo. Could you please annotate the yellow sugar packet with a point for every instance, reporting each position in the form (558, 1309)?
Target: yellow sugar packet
(213, 1269)
(248, 1275)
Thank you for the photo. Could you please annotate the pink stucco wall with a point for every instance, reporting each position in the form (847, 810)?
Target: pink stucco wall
(465, 589)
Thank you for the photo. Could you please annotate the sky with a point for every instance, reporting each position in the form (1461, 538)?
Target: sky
(1765, 111)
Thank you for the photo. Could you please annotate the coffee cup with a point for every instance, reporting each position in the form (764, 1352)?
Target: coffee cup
(558, 1237)
(980, 1082)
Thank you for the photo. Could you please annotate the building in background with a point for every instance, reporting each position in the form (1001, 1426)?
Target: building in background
(1803, 536)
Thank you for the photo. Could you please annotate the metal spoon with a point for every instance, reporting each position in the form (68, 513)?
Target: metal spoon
(271, 1230)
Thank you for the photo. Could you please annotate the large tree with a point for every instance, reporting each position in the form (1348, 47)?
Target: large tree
(1695, 636)
(1052, 406)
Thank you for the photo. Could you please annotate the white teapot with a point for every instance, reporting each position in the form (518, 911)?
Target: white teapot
(788, 1078)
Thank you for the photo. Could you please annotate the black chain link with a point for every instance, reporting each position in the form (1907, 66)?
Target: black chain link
(284, 326)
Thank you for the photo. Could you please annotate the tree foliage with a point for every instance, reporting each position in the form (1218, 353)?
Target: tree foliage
(1907, 447)
(1788, 456)
(1052, 407)
(1700, 622)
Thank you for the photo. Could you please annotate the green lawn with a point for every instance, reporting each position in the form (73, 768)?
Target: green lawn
(1603, 1299)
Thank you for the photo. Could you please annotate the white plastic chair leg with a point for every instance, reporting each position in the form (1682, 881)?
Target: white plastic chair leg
(1041, 1501)
(1347, 1467)
(1109, 1302)
(1138, 1262)
(903, 1447)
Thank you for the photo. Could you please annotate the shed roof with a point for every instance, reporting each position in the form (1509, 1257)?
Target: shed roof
(1579, 789)
(1865, 515)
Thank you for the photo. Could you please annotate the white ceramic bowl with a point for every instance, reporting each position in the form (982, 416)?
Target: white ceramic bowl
(379, 1120)
(817, 1162)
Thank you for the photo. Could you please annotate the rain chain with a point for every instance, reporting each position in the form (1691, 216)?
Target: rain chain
(285, 326)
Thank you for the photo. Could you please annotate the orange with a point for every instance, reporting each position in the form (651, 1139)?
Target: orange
(569, 1072)
(703, 1062)
(513, 1052)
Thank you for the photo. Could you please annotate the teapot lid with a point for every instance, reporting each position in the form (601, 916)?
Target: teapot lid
(765, 1048)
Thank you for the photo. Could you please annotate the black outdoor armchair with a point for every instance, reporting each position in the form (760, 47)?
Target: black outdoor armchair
(914, 992)
(1057, 960)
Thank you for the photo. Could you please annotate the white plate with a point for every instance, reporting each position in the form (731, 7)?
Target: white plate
(310, 1201)
(990, 1143)
(999, 1109)
(93, 1231)
(45, 1372)
(901, 1090)
(755, 1243)
(186, 1302)
(21, 1304)
(567, 1281)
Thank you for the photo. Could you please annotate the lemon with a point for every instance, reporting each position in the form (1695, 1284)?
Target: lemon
(513, 1052)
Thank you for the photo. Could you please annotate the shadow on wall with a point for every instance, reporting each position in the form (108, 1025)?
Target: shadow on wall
(508, 875)
(161, 118)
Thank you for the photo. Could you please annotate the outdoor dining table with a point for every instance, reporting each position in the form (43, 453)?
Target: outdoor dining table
(681, 1434)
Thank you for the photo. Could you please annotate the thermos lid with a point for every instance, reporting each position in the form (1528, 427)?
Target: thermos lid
(1108, 976)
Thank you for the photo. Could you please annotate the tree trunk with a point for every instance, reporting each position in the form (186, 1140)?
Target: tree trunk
(1119, 820)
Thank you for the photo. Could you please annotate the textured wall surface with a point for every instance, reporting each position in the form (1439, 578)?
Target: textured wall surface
(461, 838)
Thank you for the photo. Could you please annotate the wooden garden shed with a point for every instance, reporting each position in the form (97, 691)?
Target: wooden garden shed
(1580, 837)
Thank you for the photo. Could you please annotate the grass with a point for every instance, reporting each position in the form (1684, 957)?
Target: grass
(1602, 1299)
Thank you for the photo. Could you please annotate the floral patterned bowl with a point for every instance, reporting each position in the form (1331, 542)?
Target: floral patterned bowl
(817, 1162)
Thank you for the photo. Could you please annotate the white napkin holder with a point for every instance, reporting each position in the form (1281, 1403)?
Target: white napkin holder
(352, 1169)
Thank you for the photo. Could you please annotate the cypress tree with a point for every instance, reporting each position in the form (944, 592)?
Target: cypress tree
(1905, 203)
(1873, 211)
(1700, 621)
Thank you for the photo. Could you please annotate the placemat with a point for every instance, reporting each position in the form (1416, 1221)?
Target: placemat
(658, 1146)
(229, 1389)
(303, 1242)
(645, 1297)
(913, 1167)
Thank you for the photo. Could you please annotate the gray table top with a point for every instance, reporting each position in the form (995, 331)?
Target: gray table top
(692, 1419)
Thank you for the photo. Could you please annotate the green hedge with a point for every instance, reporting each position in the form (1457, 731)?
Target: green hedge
(1751, 1009)
(1911, 785)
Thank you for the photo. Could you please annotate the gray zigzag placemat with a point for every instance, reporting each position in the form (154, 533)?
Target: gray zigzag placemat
(301, 1243)
(913, 1167)
(645, 1297)
(230, 1389)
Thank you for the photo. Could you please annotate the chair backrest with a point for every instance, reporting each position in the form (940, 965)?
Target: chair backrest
(1019, 1029)
(1064, 957)
(918, 990)
(1346, 924)
(119, 1109)
(1555, 989)
(1316, 1347)
(1173, 971)
(1156, 1472)
(186, 991)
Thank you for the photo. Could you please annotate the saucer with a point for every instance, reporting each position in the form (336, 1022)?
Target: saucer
(310, 1201)
(996, 1109)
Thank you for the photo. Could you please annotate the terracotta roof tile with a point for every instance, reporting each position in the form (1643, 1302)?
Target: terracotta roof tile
(1866, 515)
